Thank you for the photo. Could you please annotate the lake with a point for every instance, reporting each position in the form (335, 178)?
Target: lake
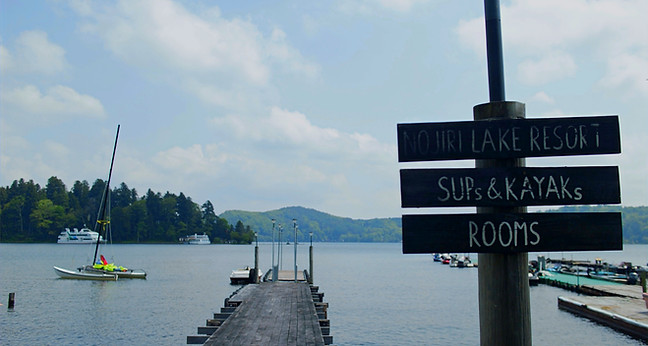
(377, 295)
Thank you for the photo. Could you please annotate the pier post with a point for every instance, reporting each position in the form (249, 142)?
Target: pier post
(275, 268)
(295, 246)
(310, 260)
(12, 299)
(256, 258)
(504, 303)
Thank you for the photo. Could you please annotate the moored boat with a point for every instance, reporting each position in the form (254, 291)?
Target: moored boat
(243, 276)
(101, 269)
(76, 236)
(83, 275)
(196, 239)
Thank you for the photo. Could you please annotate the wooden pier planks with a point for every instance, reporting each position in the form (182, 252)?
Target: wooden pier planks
(628, 315)
(289, 275)
(281, 313)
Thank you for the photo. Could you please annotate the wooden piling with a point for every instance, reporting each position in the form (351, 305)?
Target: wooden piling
(12, 299)
(310, 263)
(504, 302)
(256, 264)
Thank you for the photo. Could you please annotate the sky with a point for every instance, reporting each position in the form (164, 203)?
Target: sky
(259, 105)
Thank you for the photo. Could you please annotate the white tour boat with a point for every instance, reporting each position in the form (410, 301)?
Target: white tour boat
(84, 236)
(196, 239)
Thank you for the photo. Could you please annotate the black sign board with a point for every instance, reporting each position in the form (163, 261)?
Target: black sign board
(509, 138)
(520, 186)
(507, 233)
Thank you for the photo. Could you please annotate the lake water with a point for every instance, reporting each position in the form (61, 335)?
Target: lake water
(377, 295)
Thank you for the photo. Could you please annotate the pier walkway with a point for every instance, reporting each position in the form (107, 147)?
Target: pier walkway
(626, 314)
(269, 313)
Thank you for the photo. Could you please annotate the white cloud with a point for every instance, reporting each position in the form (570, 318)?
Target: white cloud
(293, 129)
(58, 102)
(551, 67)
(288, 57)
(593, 31)
(367, 7)
(6, 60)
(55, 150)
(192, 160)
(543, 97)
(34, 53)
(150, 33)
(634, 163)
(631, 70)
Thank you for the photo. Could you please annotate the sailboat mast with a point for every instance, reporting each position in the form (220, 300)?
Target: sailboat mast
(105, 200)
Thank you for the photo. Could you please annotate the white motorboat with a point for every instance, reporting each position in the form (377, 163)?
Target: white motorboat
(242, 276)
(84, 236)
(196, 239)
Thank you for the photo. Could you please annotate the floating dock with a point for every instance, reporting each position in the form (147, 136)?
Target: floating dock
(625, 314)
(270, 313)
(615, 305)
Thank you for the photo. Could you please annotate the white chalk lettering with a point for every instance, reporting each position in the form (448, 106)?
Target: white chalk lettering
(424, 142)
(504, 234)
(528, 188)
(509, 189)
(558, 137)
(440, 183)
(491, 226)
(460, 188)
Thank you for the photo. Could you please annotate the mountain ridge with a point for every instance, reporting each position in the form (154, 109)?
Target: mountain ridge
(325, 227)
(330, 228)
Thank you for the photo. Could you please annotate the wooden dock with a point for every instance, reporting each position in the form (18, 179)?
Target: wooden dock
(620, 307)
(269, 313)
(289, 275)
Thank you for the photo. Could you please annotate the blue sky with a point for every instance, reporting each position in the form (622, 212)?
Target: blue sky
(258, 105)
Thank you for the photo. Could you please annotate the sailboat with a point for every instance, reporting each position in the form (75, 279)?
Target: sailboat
(101, 269)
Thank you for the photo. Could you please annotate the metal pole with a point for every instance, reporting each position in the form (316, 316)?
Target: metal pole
(494, 51)
(295, 246)
(310, 260)
(280, 259)
(256, 258)
(274, 267)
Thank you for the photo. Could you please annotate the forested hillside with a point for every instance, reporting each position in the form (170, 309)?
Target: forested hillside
(325, 227)
(29, 213)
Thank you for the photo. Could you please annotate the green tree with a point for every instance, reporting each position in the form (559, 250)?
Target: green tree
(94, 201)
(209, 219)
(123, 196)
(56, 192)
(31, 193)
(189, 215)
(153, 202)
(48, 219)
(12, 219)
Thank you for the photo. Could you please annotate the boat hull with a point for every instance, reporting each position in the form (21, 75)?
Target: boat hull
(243, 276)
(83, 275)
